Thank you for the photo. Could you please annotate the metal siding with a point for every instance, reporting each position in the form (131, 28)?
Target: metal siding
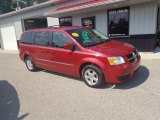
(143, 18)
(31, 14)
(76, 20)
(16, 19)
(38, 12)
(18, 29)
(155, 15)
(9, 37)
(101, 20)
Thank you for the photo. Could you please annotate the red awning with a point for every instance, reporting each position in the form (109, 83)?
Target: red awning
(79, 5)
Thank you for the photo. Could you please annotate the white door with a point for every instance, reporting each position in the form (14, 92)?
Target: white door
(9, 38)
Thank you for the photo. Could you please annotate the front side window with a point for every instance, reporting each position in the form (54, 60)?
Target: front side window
(87, 37)
(59, 39)
(42, 38)
(118, 22)
(27, 38)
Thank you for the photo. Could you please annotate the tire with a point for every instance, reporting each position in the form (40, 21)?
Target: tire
(30, 64)
(92, 76)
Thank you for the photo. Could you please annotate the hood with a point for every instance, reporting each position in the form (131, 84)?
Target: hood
(113, 48)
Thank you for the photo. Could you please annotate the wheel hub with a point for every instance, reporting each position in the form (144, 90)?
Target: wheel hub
(91, 77)
(29, 64)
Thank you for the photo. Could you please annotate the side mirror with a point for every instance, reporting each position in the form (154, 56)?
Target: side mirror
(69, 46)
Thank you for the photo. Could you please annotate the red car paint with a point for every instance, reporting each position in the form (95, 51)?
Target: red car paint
(69, 62)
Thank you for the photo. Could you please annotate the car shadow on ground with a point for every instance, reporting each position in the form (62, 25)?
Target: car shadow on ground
(140, 76)
(9, 102)
(63, 75)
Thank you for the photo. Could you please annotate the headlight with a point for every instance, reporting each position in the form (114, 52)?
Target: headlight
(116, 60)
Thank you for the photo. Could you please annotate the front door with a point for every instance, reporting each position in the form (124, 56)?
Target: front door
(63, 59)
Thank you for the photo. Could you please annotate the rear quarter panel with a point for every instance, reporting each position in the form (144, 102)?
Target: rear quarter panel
(25, 49)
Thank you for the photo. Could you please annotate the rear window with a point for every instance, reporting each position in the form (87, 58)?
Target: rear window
(27, 38)
(42, 38)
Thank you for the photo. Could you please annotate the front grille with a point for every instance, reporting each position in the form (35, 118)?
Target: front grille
(133, 57)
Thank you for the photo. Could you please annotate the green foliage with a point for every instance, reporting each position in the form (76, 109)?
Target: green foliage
(27, 3)
(10, 5)
(5, 6)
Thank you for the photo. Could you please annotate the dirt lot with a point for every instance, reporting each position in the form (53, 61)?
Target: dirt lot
(49, 96)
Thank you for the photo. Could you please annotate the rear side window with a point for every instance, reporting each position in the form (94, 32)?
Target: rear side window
(27, 38)
(42, 38)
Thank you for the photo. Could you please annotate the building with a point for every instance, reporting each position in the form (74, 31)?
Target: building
(133, 21)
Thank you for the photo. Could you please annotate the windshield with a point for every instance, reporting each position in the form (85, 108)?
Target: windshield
(87, 37)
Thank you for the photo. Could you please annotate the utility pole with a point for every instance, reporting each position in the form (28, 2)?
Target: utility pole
(18, 6)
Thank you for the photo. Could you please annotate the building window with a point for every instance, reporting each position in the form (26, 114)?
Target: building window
(118, 22)
(88, 21)
(65, 21)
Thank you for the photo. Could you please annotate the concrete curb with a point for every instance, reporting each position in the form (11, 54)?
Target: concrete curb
(150, 56)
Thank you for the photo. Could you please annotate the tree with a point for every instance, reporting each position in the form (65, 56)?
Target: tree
(5, 6)
(27, 3)
(10, 5)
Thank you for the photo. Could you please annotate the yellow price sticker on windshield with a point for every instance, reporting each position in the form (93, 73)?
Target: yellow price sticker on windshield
(75, 34)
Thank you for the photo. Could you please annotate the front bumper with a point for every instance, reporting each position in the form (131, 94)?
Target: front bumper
(121, 73)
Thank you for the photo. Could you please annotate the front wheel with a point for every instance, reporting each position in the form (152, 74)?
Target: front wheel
(29, 64)
(93, 76)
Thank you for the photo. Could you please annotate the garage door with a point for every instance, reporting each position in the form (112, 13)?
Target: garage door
(9, 38)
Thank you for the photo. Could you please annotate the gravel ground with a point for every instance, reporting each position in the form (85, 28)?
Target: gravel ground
(46, 95)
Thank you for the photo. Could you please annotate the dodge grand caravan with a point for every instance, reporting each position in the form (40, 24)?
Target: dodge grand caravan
(81, 52)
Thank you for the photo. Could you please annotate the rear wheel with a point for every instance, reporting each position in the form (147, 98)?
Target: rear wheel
(29, 64)
(93, 76)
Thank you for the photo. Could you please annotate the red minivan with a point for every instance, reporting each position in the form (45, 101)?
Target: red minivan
(79, 51)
